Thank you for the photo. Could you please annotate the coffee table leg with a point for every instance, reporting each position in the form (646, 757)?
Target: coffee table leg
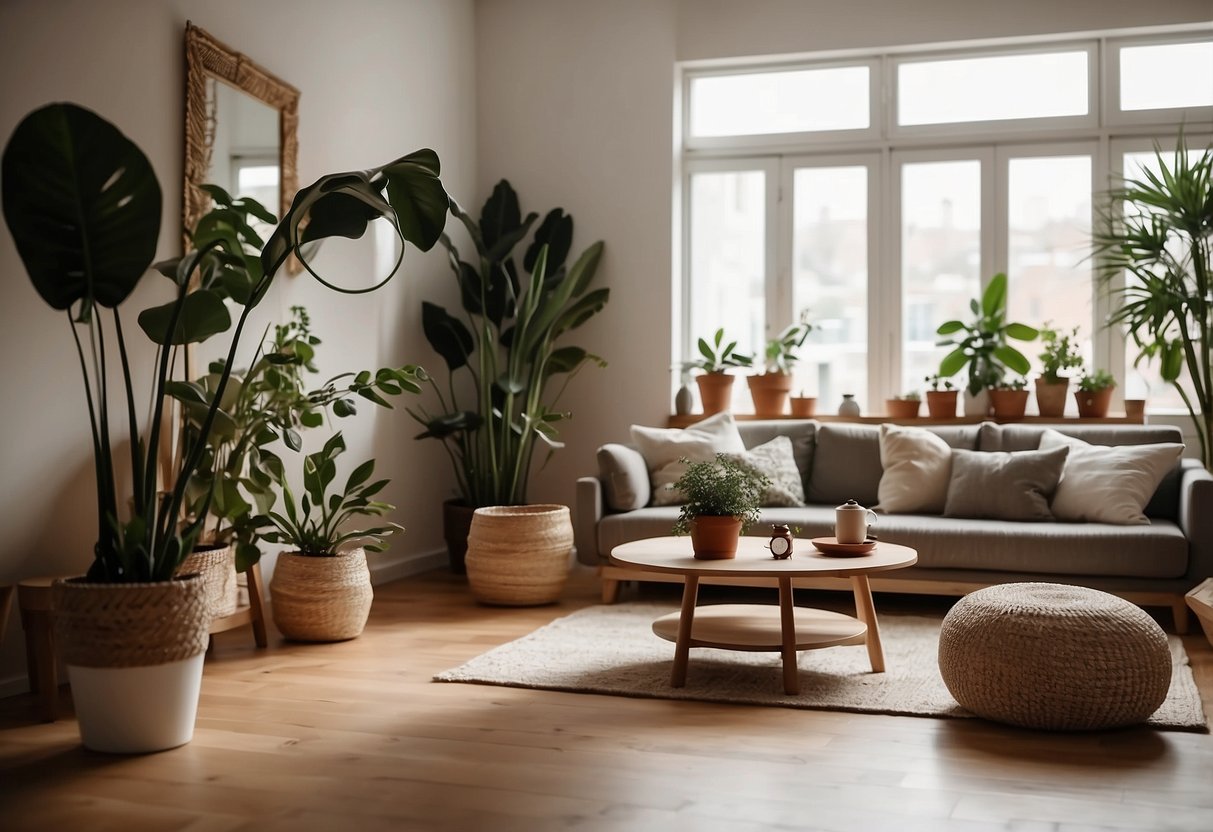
(787, 628)
(682, 648)
(865, 610)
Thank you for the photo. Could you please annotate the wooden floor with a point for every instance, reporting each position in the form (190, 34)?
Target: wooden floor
(354, 736)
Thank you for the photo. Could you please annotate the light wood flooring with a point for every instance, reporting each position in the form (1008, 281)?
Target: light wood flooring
(354, 736)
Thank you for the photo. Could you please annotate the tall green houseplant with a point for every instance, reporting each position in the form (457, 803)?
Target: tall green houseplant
(505, 345)
(1157, 236)
(981, 343)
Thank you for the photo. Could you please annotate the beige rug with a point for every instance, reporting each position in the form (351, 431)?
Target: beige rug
(612, 650)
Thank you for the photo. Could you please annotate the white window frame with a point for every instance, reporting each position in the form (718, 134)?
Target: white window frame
(1200, 117)
(1001, 126)
(759, 141)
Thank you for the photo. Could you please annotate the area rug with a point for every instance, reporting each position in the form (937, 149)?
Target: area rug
(612, 650)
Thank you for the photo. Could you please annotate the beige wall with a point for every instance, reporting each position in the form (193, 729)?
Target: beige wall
(378, 78)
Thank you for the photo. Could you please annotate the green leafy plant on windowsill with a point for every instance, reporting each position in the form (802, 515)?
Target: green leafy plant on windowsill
(719, 488)
(718, 356)
(1095, 381)
(1059, 352)
(981, 344)
(780, 354)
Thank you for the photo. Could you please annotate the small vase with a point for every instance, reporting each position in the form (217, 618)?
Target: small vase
(684, 400)
(849, 407)
(977, 404)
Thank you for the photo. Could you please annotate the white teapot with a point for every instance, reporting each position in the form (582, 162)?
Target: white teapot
(851, 522)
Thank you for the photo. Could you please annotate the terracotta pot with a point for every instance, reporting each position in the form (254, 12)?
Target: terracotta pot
(715, 391)
(770, 393)
(1135, 408)
(902, 408)
(1051, 397)
(1093, 405)
(317, 598)
(715, 538)
(1008, 404)
(456, 521)
(941, 404)
(803, 407)
(518, 556)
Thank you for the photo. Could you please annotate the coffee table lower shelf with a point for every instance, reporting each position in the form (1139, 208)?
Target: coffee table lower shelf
(759, 628)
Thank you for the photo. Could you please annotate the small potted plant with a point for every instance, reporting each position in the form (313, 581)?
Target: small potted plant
(722, 500)
(1059, 352)
(803, 407)
(770, 389)
(905, 406)
(320, 592)
(1009, 398)
(715, 383)
(1094, 394)
(941, 397)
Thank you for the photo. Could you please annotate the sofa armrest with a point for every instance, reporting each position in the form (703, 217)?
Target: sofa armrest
(589, 513)
(1196, 518)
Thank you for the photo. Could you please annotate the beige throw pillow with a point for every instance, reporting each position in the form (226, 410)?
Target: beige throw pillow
(917, 469)
(1109, 484)
(775, 461)
(662, 448)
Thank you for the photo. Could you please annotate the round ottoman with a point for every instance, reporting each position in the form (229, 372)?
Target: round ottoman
(1051, 656)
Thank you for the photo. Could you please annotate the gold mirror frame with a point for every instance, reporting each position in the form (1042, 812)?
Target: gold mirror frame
(205, 58)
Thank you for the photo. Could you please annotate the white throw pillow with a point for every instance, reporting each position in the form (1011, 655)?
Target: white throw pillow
(775, 461)
(662, 448)
(1109, 484)
(917, 469)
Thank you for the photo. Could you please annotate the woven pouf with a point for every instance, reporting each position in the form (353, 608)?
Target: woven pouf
(1062, 658)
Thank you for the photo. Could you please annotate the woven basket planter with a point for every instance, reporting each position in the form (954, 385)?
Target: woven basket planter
(518, 556)
(217, 567)
(134, 657)
(321, 598)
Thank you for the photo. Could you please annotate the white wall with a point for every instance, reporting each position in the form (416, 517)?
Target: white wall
(378, 78)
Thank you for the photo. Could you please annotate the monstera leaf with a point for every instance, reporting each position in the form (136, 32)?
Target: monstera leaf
(83, 205)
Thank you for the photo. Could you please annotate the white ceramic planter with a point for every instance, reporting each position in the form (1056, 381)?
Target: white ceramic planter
(134, 710)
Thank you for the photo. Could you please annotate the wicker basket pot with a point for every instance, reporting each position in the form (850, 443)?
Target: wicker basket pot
(518, 556)
(217, 567)
(321, 598)
(134, 657)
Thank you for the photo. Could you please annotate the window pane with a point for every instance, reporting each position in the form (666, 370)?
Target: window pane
(940, 260)
(1168, 75)
(1040, 85)
(728, 261)
(798, 101)
(1049, 243)
(830, 280)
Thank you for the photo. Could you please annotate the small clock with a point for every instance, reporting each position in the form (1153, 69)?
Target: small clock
(781, 542)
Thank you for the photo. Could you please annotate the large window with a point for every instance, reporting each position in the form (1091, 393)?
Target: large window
(882, 193)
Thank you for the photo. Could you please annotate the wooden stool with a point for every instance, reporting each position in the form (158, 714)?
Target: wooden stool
(37, 619)
(253, 614)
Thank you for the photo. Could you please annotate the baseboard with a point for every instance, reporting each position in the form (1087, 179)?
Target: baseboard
(403, 567)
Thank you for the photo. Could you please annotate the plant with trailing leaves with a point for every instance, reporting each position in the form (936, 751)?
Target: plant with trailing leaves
(1058, 352)
(780, 352)
(1095, 381)
(315, 523)
(264, 404)
(719, 488)
(718, 356)
(83, 205)
(1154, 252)
(506, 345)
(981, 344)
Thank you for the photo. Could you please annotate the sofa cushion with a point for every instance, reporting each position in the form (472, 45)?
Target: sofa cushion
(802, 433)
(774, 461)
(917, 469)
(1109, 484)
(663, 448)
(1004, 485)
(625, 477)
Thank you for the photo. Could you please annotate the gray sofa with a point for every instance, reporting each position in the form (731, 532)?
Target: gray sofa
(1151, 565)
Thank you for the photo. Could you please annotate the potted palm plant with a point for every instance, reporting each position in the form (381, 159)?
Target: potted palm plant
(320, 591)
(506, 345)
(1155, 230)
(715, 360)
(1059, 352)
(770, 389)
(981, 345)
(83, 205)
(1094, 394)
(722, 501)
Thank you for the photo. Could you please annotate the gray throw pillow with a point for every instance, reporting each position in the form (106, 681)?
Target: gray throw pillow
(775, 461)
(625, 478)
(1004, 485)
(846, 465)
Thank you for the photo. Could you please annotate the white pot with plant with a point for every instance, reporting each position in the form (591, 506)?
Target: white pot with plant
(1058, 353)
(770, 389)
(83, 206)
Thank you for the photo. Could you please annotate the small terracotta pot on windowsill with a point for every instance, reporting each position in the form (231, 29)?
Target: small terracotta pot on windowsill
(1093, 404)
(715, 391)
(1008, 404)
(941, 404)
(902, 408)
(803, 407)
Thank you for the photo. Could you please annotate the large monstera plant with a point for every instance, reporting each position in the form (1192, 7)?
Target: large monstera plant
(83, 206)
(505, 344)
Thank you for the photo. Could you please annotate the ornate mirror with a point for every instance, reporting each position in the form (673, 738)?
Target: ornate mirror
(240, 124)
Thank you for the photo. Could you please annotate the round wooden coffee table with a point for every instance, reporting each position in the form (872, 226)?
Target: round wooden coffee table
(785, 629)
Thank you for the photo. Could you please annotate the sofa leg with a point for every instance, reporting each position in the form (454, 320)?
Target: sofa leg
(1179, 609)
(610, 591)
